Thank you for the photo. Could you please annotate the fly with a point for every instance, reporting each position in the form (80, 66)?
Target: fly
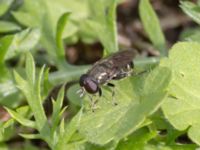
(114, 67)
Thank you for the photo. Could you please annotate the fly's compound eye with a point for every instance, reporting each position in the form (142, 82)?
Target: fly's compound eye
(89, 85)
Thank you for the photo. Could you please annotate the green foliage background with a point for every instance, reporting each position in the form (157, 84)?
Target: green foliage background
(165, 98)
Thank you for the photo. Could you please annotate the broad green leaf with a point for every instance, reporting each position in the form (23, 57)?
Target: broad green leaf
(21, 119)
(152, 26)
(184, 99)
(137, 99)
(22, 42)
(6, 26)
(192, 10)
(4, 6)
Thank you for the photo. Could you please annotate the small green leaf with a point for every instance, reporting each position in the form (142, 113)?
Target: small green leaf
(6, 26)
(30, 136)
(22, 84)
(184, 98)
(30, 69)
(21, 119)
(38, 83)
(57, 108)
(70, 129)
(23, 41)
(137, 140)
(59, 31)
(4, 6)
(30, 13)
(152, 26)
(32, 93)
(5, 43)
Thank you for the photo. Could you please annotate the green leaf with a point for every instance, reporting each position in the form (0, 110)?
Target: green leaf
(137, 140)
(184, 99)
(152, 26)
(192, 10)
(74, 98)
(22, 42)
(4, 6)
(6, 26)
(30, 136)
(103, 23)
(191, 34)
(32, 93)
(3, 146)
(21, 119)
(136, 101)
(6, 130)
(31, 13)
(9, 94)
(30, 69)
(70, 129)
(5, 43)
(57, 108)
(59, 31)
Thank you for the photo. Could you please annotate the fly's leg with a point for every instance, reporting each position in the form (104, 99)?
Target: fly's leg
(94, 101)
(113, 93)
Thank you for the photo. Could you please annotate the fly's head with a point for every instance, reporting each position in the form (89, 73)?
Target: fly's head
(88, 84)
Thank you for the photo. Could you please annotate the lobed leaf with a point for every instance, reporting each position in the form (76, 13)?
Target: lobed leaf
(136, 103)
(184, 99)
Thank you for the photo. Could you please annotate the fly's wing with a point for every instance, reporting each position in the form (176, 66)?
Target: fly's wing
(105, 69)
(122, 58)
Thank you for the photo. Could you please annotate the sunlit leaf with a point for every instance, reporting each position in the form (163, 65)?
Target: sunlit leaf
(184, 99)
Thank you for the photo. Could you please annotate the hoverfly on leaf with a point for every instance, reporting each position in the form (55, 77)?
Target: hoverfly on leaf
(114, 67)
